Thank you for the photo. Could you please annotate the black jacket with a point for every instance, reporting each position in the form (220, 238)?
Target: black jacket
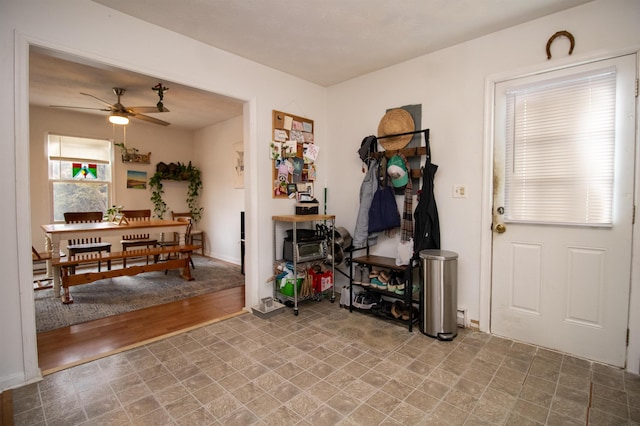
(425, 216)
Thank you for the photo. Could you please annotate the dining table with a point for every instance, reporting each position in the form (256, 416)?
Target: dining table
(57, 232)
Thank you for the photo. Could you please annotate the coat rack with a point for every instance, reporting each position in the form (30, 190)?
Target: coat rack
(407, 152)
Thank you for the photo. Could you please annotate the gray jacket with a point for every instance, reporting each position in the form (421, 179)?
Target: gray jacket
(367, 190)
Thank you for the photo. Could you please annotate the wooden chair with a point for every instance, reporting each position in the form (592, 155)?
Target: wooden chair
(196, 234)
(86, 245)
(176, 241)
(38, 258)
(136, 240)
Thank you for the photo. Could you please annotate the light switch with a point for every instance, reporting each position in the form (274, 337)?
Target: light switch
(459, 191)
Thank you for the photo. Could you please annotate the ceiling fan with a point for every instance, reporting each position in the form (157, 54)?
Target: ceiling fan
(119, 114)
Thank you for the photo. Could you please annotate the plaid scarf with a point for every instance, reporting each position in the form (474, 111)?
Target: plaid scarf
(406, 225)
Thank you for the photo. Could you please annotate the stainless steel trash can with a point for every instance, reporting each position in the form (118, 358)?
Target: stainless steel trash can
(439, 274)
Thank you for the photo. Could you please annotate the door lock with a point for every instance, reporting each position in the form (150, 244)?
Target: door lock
(500, 228)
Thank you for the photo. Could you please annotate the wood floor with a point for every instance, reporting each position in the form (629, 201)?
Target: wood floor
(77, 344)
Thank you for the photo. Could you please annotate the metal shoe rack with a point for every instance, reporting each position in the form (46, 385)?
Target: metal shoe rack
(386, 263)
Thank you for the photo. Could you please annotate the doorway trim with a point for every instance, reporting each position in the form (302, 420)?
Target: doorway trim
(486, 219)
(22, 43)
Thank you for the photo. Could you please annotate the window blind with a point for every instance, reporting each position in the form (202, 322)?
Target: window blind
(559, 154)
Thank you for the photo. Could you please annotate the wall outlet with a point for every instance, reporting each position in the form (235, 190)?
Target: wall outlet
(462, 318)
(459, 191)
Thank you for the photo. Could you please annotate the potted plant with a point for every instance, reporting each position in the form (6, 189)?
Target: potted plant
(193, 192)
(132, 155)
(113, 212)
(159, 206)
(178, 172)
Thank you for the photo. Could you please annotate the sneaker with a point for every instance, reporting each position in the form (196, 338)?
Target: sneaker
(400, 287)
(372, 300)
(385, 307)
(375, 283)
(391, 285)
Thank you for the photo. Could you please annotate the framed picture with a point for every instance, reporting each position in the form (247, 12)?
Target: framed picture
(238, 177)
(136, 179)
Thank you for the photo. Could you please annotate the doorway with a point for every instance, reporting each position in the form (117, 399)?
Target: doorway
(37, 232)
(563, 284)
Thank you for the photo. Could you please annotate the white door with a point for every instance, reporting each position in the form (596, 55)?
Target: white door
(561, 284)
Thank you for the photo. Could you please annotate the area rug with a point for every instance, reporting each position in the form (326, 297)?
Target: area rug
(125, 294)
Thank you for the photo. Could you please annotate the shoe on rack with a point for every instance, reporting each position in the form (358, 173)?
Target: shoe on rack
(384, 277)
(385, 307)
(391, 285)
(410, 312)
(377, 284)
(400, 286)
(406, 313)
(371, 301)
(397, 309)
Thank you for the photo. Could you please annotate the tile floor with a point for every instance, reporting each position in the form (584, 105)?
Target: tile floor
(315, 369)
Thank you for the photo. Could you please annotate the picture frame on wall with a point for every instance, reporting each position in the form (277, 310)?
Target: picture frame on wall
(238, 177)
(136, 179)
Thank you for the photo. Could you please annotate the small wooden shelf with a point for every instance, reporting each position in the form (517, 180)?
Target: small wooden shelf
(297, 218)
(380, 261)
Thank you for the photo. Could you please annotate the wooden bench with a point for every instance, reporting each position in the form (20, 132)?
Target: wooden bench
(69, 278)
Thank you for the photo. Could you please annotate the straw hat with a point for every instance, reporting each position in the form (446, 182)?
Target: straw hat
(395, 121)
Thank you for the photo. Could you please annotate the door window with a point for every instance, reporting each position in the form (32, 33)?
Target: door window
(559, 153)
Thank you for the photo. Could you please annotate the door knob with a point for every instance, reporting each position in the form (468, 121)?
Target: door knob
(500, 228)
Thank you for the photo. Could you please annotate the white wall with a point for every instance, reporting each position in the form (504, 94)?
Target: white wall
(450, 85)
(78, 27)
(222, 202)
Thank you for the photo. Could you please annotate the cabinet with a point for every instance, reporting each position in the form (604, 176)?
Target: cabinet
(301, 265)
(410, 302)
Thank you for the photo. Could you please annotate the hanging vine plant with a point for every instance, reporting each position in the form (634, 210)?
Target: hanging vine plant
(178, 172)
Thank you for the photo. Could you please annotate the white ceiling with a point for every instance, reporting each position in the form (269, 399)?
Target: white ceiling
(322, 41)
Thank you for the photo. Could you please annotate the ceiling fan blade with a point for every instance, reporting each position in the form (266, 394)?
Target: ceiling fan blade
(99, 100)
(75, 107)
(147, 109)
(149, 119)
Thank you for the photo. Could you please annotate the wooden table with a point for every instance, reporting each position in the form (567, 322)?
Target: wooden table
(64, 231)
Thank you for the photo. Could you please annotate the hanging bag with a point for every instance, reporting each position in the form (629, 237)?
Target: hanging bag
(383, 213)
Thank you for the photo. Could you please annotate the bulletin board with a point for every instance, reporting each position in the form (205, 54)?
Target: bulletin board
(293, 153)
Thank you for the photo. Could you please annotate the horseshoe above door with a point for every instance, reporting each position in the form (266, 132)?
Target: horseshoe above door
(555, 36)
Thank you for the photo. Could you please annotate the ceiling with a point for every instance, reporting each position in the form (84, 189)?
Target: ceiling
(321, 41)
(60, 80)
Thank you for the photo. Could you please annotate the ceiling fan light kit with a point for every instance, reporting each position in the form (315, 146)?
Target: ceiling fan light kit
(117, 118)
(119, 114)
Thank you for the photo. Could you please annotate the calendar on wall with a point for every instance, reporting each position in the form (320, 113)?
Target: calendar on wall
(293, 153)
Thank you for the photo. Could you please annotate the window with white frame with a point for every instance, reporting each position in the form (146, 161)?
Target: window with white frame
(559, 154)
(79, 174)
